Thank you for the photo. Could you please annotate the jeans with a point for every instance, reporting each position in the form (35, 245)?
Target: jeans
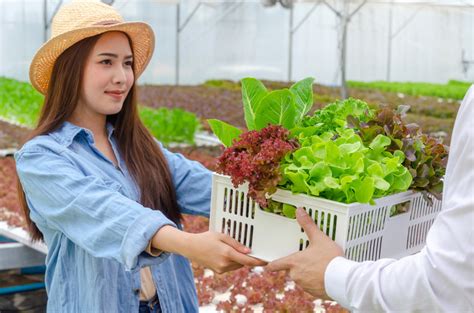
(150, 306)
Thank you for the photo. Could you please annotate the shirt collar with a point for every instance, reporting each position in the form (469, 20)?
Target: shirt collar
(68, 131)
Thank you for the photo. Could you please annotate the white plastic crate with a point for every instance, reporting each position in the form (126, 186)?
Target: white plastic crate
(364, 231)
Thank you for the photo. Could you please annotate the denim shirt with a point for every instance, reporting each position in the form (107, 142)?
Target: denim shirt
(95, 228)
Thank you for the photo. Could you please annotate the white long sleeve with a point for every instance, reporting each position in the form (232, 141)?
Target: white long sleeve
(441, 277)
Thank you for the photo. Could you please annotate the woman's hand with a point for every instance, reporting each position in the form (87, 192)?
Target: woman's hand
(220, 252)
(215, 251)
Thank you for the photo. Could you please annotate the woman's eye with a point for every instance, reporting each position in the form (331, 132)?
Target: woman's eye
(129, 63)
(107, 62)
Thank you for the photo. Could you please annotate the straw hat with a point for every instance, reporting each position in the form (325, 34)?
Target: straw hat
(86, 18)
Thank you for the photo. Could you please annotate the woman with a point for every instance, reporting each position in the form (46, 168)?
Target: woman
(102, 193)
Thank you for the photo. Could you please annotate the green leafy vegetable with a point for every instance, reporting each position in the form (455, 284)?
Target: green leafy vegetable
(452, 90)
(425, 157)
(170, 125)
(280, 208)
(333, 116)
(338, 166)
(303, 92)
(19, 102)
(225, 132)
(253, 91)
(285, 107)
(276, 108)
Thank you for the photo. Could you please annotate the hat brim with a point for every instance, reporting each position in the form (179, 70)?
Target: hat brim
(141, 36)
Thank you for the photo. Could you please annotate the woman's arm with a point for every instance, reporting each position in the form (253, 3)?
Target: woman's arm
(95, 217)
(193, 184)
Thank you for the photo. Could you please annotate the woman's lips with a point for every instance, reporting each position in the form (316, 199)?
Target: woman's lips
(115, 95)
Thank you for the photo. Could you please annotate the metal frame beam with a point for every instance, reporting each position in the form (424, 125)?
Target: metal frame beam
(17, 255)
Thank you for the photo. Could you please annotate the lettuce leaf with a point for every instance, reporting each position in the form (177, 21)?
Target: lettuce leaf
(253, 91)
(225, 132)
(276, 108)
(339, 166)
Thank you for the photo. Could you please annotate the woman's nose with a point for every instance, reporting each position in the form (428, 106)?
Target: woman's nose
(119, 75)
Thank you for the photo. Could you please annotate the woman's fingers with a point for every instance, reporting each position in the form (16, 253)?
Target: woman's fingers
(234, 244)
(222, 253)
(245, 259)
(237, 256)
(227, 268)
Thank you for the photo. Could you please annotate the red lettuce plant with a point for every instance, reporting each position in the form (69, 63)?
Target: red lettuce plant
(255, 158)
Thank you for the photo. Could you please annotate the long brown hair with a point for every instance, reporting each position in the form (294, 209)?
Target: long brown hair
(143, 157)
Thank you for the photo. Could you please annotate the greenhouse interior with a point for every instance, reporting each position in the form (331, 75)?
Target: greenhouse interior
(345, 108)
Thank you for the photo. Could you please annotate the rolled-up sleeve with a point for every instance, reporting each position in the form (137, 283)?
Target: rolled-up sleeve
(97, 218)
(193, 183)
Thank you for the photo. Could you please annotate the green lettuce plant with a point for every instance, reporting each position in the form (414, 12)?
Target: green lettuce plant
(338, 166)
(170, 125)
(20, 103)
(334, 116)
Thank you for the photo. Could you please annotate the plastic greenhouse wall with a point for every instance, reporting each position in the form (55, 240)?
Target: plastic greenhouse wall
(234, 39)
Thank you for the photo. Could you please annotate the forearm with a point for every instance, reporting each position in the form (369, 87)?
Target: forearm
(171, 239)
(433, 280)
(215, 251)
(384, 286)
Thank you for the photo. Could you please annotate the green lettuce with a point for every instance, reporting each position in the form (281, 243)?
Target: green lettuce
(338, 166)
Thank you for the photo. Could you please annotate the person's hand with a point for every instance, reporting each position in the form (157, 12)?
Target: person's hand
(216, 251)
(220, 253)
(307, 267)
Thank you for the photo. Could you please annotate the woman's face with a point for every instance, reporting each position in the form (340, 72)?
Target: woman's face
(108, 76)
